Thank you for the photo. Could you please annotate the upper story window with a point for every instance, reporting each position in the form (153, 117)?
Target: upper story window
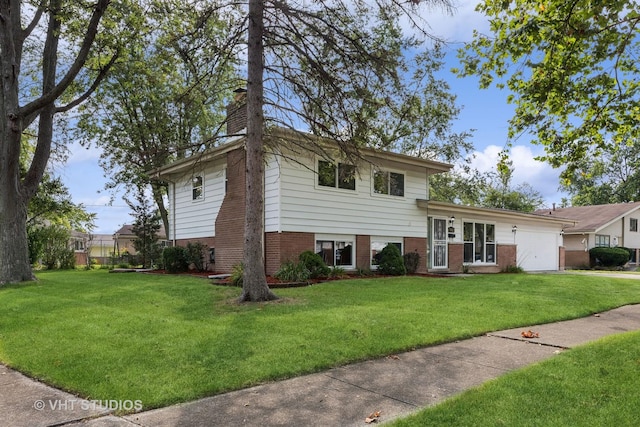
(603, 241)
(79, 245)
(334, 175)
(391, 183)
(197, 187)
(633, 224)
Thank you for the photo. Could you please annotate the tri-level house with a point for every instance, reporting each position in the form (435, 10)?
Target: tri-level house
(345, 211)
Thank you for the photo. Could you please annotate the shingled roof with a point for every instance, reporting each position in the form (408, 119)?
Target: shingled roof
(592, 218)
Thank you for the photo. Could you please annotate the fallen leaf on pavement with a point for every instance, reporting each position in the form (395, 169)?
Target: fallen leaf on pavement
(373, 417)
(529, 334)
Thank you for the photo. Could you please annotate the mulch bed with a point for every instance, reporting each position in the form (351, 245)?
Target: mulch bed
(277, 283)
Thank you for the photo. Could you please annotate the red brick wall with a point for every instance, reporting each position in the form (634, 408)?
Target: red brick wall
(417, 244)
(507, 256)
(561, 258)
(230, 220)
(576, 258)
(456, 257)
(363, 252)
(287, 246)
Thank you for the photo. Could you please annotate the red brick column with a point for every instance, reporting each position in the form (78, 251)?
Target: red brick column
(456, 257)
(363, 252)
(507, 256)
(417, 244)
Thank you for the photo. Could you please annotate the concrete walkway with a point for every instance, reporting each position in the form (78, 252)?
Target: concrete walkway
(396, 386)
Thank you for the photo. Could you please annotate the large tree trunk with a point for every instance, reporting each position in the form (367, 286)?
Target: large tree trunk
(254, 280)
(14, 251)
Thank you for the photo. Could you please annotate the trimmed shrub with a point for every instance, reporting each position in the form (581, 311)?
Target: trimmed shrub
(314, 264)
(391, 261)
(194, 253)
(175, 259)
(411, 262)
(609, 257)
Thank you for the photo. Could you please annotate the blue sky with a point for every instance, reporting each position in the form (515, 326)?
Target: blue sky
(486, 111)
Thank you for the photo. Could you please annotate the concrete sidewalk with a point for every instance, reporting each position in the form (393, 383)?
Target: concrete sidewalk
(345, 396)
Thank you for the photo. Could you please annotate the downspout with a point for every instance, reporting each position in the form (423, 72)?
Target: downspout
(173, 213)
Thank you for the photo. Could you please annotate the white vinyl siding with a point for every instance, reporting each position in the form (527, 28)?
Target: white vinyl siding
(307, 208)
(197, 219)
(272, 195)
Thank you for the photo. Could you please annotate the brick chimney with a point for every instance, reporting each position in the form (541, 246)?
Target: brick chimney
(237, 112)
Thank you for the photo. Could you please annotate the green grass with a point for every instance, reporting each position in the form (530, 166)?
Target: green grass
(168, 339)
(591, 385)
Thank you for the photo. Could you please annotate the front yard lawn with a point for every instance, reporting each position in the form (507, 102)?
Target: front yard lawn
(591, 385)
(167, 339)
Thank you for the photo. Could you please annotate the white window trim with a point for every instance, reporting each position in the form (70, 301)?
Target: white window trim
(340, 238)
(388, 171)
(336, 188)
(386, 240)
(202, 195)
(495, 241)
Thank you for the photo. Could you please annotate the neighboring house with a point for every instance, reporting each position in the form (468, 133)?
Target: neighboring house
(321, 202)
(599, 225)
(98, 247)
(78, 243)
(122, 240)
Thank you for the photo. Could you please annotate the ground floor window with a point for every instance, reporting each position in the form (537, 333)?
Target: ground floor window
(336, 251)
(479, 242)
(378, 244)
(603, 241)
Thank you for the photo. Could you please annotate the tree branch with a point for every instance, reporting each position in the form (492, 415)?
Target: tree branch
(83, 53)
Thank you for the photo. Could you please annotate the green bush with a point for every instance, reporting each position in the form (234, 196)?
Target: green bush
(292, 272)
(609, 257)
(411, 262)
(175, 259)
(391, 261)
(314, 264)
(195, 254)
(337, 273)
(236, 275)
(513, 269)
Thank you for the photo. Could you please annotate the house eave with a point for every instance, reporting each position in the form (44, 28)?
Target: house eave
(190, 162)
(499, 213)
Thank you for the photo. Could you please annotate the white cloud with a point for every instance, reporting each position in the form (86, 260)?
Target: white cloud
(78, 153)
(526, 169)
(453, 28)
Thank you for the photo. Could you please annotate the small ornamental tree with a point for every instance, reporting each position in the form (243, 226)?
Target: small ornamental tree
(146, 227)
(391, 261)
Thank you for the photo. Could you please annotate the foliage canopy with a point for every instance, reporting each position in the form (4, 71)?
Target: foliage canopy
(572, 70)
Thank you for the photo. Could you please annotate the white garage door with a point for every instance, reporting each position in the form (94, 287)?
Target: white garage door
(537, 250)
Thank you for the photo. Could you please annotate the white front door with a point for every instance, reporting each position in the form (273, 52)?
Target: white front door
(439, 243)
